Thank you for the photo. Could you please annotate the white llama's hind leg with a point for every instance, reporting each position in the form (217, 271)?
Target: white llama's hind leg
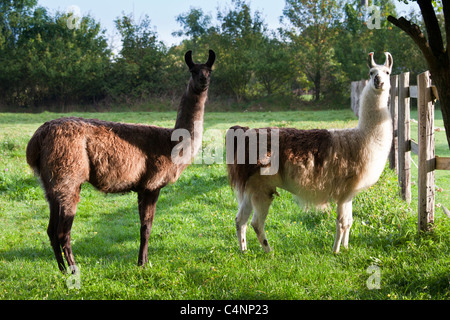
(245, 209)
(343, 224)
(261, 204)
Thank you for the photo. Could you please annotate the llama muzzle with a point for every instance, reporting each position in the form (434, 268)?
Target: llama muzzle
(378, 83)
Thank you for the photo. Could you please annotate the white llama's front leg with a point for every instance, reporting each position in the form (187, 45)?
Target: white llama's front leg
(343, 224)
(348, 225)
(245, 209)
(261, 205)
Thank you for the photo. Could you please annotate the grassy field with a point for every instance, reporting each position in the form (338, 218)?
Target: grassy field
(193, 249)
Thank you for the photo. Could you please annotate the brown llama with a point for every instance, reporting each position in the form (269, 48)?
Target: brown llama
(316, 166)
(114, 158)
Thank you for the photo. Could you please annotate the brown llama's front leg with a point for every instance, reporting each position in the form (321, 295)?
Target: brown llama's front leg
(147, 204)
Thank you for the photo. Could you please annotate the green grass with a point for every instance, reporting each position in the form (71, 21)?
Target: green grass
(193, 249)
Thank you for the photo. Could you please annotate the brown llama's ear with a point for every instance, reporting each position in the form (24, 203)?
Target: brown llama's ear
(211, 59)
(370, 61)
(389, 61)
(188, 59)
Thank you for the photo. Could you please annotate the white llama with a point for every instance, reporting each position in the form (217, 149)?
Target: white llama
(318, 166)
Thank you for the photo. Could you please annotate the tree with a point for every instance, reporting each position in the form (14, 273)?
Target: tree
(194, 23)
(42, 60)
(138, 72)
(313, 34)
(434, 50)
(272, 64)
(15, 18)
(240, 32)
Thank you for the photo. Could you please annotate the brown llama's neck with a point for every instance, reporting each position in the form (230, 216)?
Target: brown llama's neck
(191, 109)
(190, 116)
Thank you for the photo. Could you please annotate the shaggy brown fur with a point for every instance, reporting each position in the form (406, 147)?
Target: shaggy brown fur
(114, 157)
(296, 146)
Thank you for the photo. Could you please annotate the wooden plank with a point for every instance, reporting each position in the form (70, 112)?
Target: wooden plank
(393, 108)
(442, 163)
(404, 137)
(427, 163)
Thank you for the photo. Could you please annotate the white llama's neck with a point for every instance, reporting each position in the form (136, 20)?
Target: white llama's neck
(374, 117)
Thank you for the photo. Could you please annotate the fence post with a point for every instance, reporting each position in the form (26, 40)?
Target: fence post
(404, 137)
(393, 107)
(427, 159)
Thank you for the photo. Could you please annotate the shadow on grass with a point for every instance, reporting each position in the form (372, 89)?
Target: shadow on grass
(113, 235)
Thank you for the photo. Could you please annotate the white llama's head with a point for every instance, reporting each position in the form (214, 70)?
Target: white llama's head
(380, 74)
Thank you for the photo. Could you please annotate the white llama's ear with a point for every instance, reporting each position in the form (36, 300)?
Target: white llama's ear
(389, 61)
(370, 61)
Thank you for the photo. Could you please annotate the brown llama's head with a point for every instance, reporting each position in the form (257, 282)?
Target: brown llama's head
(380, 73)
(201, 73)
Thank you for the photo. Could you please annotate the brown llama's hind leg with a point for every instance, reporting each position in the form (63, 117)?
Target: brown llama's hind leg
(147, 204)
(62, 213)
(52, 232)
(64, 227)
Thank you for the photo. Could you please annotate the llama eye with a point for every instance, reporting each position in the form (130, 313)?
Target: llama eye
(387, 72)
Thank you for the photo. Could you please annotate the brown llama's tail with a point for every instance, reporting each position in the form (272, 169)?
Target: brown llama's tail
(34, 149)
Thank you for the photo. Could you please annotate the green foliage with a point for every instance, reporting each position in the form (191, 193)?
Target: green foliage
(320, 48)
(46, 60)
(195, 24)
(138, 72)
(272, 65)
(313, 32)
(240, 33)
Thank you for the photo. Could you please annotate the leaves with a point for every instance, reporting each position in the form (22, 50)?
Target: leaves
(318, 51)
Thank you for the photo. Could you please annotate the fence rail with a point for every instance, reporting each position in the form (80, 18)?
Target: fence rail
(403, 145)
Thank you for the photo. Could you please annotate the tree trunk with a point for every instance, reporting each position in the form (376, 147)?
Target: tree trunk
(317, 86)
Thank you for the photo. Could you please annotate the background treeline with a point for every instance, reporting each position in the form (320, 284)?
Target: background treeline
(320, 48)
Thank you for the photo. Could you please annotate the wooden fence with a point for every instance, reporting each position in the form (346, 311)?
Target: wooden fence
(403, 145)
